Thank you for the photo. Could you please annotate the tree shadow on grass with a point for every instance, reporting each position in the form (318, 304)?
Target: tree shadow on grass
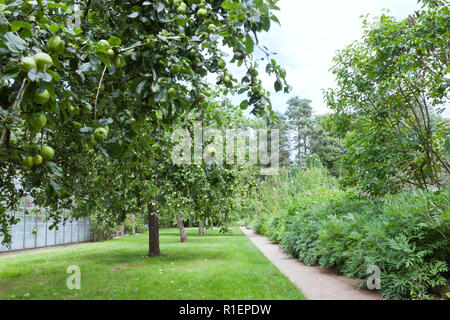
(193, 232)
(137, 257)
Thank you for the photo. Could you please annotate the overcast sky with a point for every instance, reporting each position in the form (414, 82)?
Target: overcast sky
(310, 34)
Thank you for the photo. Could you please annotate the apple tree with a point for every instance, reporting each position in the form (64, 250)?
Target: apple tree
(98, 87)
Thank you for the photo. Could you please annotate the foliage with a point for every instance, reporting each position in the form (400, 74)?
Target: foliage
(391, 86)
(201, 191)
(405, 235)
(328, 147)
(283, 125)
(299, 113)
(102, 226)
(117, 85)
(305, 134)
(313, 161)
(387, 139)
(134, 222)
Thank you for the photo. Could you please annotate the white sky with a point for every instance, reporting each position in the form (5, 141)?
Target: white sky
(310, 34)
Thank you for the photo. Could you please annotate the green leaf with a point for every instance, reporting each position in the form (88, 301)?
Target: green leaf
(53, 28)
(14, 43)
(114, 41)
(104, 58)
(85, 129)
(56, 187)
(17, 25)
(104, 122)
(249, 45)
(57, 171)
(278, 85)
(54, 75)
(244, 104)
(140, 86)
(114, 149)
(229, 5)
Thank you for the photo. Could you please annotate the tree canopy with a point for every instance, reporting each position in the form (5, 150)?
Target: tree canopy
(391, 87)
(89, 90)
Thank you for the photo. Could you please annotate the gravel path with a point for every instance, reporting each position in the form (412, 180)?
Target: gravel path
(316, 283)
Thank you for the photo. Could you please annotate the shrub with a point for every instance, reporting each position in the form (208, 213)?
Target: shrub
(259, 225)
(135, 222)
(405, 235)
(141, 228)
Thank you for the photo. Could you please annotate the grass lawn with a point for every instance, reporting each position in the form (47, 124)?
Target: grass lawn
(216, 266)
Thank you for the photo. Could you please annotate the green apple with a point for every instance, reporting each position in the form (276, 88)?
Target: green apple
(110, 53)
(100, 134)
(255, 89)
(177, 3)
(182, 8)
(41, 97)
(212, 28)
(77, 125)
(261, 93)
(104, 44)
(202, 13)
(192, 52)
(38, 121)
(171, 91)
(47, 152)
(56, 45)
(175, 68)
(74, 110)
(226, 79)
(43, 61)
(221, 64)
(27, 64)
(28, 161)
(37, 159)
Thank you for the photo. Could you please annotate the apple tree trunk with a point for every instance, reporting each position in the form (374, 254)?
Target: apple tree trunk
(183, 237)
(200, 229)
(153, 232)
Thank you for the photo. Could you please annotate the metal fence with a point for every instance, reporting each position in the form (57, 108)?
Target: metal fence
(33, 232)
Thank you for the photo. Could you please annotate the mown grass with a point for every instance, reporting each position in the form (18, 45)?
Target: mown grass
(216, 266)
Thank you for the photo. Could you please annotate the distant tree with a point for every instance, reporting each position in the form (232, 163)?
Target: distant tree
(313, 161)
(390, 85)
(328, 147)
(301, 122)
(282, 124)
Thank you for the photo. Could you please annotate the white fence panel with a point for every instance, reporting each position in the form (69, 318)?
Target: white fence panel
(33, 232)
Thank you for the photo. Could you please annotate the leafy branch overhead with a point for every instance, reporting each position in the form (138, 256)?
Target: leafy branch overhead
(99, 85)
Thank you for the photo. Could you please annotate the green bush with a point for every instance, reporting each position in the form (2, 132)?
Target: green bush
(405, 235)
(135, 222)
(141, 228)
(259, 225)
(103, 229)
